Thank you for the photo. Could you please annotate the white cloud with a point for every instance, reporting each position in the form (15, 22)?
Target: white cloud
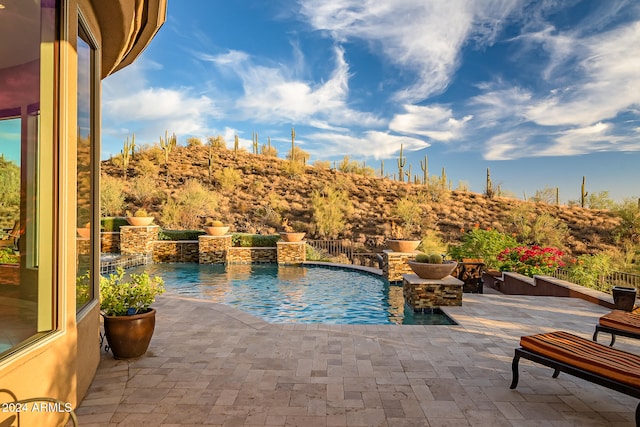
(379, 145)
(272, 95)
(423, 37)
(131, 105)
(434, 122)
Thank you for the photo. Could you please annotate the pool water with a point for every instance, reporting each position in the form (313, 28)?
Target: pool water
(295, 294)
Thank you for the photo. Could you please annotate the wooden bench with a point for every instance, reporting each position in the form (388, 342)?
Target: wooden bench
(564, 352)
(618, 322)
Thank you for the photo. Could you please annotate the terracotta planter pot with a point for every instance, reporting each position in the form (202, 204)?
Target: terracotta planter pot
(139, 221)
(401, 245)
(84, 232)
(216, 231)
(432, 271)
(129, 336)
(289, 236)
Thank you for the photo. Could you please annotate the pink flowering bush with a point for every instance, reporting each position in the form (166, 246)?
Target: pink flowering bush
(531, 260)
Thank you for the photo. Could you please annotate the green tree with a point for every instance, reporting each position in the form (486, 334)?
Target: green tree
(330, 210)
(111, 196)
(9, 192)
(484, 244)
(189, 206)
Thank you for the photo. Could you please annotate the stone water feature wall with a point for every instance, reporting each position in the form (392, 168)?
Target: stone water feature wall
(213, 249)
(176, 251)
(394, 264)
(109, 242)
(138, 240)
(423, 294)
(291, 252)
(251, 255)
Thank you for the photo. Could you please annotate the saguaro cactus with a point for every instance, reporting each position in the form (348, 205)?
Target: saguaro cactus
(425, 170)
(127, 154)
(236, 144)
(583, 194)
(255, 142)
(401, 163)
(488, 191)
(168, 144)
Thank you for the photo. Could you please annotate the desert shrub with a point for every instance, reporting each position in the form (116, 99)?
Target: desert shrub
(437, 190)
(546, 195)
(330, 210)
(548, 231)
(144, 190)
(194, 142)
(629, 228)
(587, 270)
(246, 240)
(217, 142)
(269, 151)
(297, 154)
(111, 196)
(147, 167)
(227, 178)
(485, 244)
(188, 206)
(313, 254)
(112, 224)
(352, 166)
(432, 242)
(292, 169)
(179, 234)
(408, 210)
(322, 164)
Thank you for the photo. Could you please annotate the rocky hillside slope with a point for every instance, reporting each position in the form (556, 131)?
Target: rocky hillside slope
(265, 192)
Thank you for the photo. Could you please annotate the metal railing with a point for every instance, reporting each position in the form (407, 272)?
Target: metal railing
(344, 248)
(604, 282)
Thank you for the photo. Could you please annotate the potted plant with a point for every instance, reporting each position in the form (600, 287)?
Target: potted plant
(215, 228)
(403, 243)
(289, 235)
(129, 321)
(432, 266)
(140, 218)
(85, 231)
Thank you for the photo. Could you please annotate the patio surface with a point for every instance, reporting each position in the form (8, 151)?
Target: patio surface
(213, 365)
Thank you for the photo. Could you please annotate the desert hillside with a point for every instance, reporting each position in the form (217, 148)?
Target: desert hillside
(254, 193)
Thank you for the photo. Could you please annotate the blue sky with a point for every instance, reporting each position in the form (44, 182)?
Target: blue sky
(541, 92)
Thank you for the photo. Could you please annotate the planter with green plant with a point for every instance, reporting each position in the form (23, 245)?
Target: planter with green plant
(140, 218)
(432, 266)
(129, 321)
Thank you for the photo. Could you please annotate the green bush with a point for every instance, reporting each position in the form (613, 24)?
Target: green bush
(8, 256)
(122, 298)
(180, 234)
(485, 244)
(586, 270)
(312, 254)
(246, 240)
(112, 224)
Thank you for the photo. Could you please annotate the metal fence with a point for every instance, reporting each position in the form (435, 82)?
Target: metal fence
(604, 282)
(344, 248)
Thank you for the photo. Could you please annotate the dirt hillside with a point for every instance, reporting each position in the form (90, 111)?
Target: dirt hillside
(265, 190)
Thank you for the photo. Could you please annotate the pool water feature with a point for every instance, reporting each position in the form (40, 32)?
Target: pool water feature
(295, 294)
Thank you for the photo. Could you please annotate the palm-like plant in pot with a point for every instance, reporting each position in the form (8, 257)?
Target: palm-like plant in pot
(129, 321)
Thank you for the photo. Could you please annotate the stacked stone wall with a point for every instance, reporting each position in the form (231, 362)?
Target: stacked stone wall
(250, 255)
(421, 294)
(394, 264)
(176, 251)
(213, 249)
(291, 252)
(138, 240)
(110, 242)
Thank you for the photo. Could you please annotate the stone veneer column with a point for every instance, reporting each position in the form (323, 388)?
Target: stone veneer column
(394, 264)
(138, 240)
(291, 252)
(422, 294)
(213, 249)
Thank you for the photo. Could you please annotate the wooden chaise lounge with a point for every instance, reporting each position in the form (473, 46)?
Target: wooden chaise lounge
(618, 322)
(564, 352)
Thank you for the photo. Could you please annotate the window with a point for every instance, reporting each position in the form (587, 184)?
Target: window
(87, 225)
(27, 171)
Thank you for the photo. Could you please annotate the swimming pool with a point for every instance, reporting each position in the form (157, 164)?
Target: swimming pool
(295, 294)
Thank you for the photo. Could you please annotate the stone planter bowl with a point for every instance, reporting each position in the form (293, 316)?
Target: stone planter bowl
(432, 271)
(291, 236)
(216, 231)
(403, 245)
(139, 221)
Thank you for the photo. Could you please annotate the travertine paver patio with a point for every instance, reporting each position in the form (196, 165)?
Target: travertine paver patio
(210, 364)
